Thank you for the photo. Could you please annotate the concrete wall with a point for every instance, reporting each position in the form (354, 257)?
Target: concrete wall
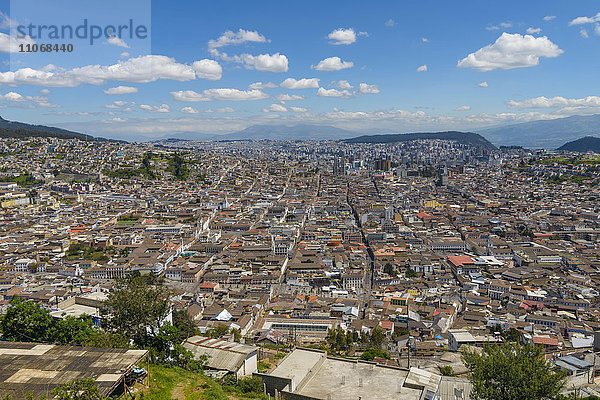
(295, 396)
(310, 373)
(273, 383)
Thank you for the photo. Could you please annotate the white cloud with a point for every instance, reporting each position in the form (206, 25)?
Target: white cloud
(275, 108)
(464, 108)
(333, 93)
(121, 90)
(234, 38)
(585, 20)
(304, 83)
(483, 84)
(533, 31)
(501, 25)
(263, 62)
(557, 101)
(511, 51)
(141, 69)
(549, 18)
(424, 40)
(125, 54)
(342, 36)
(117, 41)
(163, 108)
(121, 105)
(422, 68)
(332, 64)
(189, 110)
(584, 33)
(45, 91)
(26, 101)
(344, 84)
(597, 29)
(260, 85)
(368, 89)
(11, 45)
(289, 97)
(298, 109)
(219, 94)
(208, 69)
(390, 23)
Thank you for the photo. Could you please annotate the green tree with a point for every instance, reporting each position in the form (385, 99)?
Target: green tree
(184, 323)
(447, 370)
(377, 337)
(512, 372)
(389, 269)
(371, 353)
(81, 389)
(25, 321)
(72, 330)
(137, 307)
(107, 340)
(218, 331)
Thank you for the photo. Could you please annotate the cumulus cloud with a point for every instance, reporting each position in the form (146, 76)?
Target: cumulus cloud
(424, 40)
(368, 89)
(26, 101)
(10, 44)
(304, 83)
(234, 38)
(483, 84)
(141, 69)
(289, 97)
(549, 18)
(298, 109)
(511, 51)
(342, 36)
(263, 62)
(275, 108)
(463, 108)
(533, 31)
(422, 68)
(208, 69)
(189, 110)
(333, 93)
(219, 94)
(121, 90)
(344, 84)
(332, 64)
(557, 101)
(585, 20)
(261, 85)
(390, 23)
(117, 41)
(163, 108)
(584, 33)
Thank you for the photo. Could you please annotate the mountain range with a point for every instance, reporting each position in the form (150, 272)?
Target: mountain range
(13, 129)
(583, 145)
(547, 134)
(473, 139)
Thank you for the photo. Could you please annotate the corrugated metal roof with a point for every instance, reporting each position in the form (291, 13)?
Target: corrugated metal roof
(222, 355)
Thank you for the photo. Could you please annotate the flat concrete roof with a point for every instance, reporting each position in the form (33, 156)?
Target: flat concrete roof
(319, 377)
(38, 368)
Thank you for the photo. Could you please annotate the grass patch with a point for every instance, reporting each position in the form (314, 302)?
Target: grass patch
(179, 384)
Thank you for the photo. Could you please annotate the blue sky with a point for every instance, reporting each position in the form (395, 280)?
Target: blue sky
(385, 66)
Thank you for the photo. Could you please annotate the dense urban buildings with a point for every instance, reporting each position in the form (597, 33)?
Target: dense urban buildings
(343, 269)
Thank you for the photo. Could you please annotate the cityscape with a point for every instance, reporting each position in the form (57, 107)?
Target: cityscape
(294, 252)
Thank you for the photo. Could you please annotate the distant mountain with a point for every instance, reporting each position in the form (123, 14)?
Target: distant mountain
(548, 134)
(462, 137)
(13, 129)
(288, 132)
(583, 145)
